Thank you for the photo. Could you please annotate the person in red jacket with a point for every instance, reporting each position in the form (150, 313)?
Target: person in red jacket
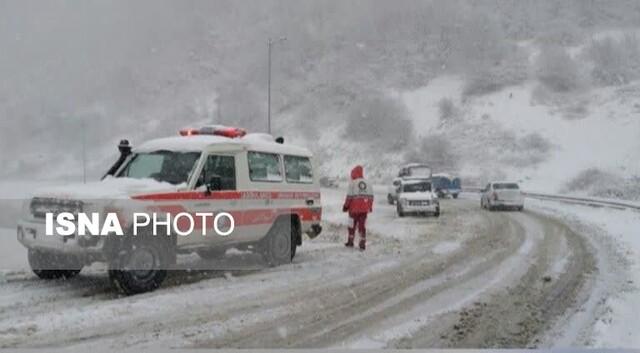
(359, 203)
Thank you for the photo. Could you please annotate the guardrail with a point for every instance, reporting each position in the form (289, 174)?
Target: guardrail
(593, 202)
(587, 201)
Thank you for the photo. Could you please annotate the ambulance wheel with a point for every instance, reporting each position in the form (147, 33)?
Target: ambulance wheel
(49, 266)
(279, 246)
(455, 196)
(437, 213)
(142, 267)
(390, 199)
(211, 254)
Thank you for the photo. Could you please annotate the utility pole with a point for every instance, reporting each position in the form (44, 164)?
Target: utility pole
(270, 44)
(84, 150)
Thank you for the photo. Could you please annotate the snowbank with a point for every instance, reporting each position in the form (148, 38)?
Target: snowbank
(617, 325)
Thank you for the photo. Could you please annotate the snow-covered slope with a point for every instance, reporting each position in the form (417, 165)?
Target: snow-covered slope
(606, 136)
(510, 134)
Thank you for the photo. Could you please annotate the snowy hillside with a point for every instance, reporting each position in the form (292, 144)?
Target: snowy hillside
(509, 135)
(541, 91)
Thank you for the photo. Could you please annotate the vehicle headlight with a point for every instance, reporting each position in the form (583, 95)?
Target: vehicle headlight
(403, 201)
(40, 206)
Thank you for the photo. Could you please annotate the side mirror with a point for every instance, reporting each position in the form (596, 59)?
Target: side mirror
(214, 184)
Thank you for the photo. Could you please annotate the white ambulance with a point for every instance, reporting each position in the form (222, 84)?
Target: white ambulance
(268, 187)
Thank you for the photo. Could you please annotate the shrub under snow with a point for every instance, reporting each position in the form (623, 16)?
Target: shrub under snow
(381, 122)
(556, 70)
(615, 62)
(595, 182)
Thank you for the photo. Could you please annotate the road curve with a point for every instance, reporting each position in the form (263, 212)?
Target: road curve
(471, 278)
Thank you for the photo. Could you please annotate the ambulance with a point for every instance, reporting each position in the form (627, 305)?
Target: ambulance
(268, 187)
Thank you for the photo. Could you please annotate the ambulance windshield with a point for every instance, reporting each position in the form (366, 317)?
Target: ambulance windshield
(164, 166)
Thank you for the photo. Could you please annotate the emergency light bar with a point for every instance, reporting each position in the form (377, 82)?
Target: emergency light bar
(216, 130)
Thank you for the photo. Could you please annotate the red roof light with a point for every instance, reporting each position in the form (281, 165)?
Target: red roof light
(189, 132)
(216, 130)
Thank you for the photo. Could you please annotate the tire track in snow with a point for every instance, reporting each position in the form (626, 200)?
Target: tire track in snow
(330, 296)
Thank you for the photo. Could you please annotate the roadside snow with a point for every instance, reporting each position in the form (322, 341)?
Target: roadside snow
(13, 256)
(446, 247)
(619, 302)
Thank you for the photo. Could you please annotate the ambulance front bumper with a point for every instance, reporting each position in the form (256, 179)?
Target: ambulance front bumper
(31, 234)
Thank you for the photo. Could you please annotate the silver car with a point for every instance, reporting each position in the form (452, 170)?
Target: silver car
(502, 195)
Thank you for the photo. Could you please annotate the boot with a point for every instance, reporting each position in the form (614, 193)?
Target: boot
(349, 243)
(362, 245)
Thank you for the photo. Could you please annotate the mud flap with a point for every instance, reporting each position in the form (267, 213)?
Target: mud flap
(316, 229)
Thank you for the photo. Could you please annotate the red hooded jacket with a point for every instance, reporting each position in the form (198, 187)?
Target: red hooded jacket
(360, 195)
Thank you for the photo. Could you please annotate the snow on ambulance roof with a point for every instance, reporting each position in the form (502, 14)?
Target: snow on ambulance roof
(198, 143)
(181, 143)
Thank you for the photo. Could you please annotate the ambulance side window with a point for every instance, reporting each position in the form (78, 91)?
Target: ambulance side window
(264, 167)
(221, 166)
(298, 169)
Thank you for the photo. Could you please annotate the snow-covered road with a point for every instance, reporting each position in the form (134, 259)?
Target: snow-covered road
(470, 278)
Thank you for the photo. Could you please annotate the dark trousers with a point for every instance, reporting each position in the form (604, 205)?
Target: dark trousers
(359, 223)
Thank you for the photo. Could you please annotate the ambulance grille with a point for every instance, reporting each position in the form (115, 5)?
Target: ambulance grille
(41, 205)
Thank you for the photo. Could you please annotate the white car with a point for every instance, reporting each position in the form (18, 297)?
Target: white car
(411, 171)
(269, 188)
(502, 195)
(416, 197)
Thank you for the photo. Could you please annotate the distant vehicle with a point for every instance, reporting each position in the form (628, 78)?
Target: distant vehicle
(411, 171)
(502, 195)
(417, 197)
(415, 171)
(444, 185)
(328, 182)
(455, 188)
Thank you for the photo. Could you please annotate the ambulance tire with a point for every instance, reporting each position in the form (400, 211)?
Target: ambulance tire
(154, 258)
(45, 265)
(279, 245)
